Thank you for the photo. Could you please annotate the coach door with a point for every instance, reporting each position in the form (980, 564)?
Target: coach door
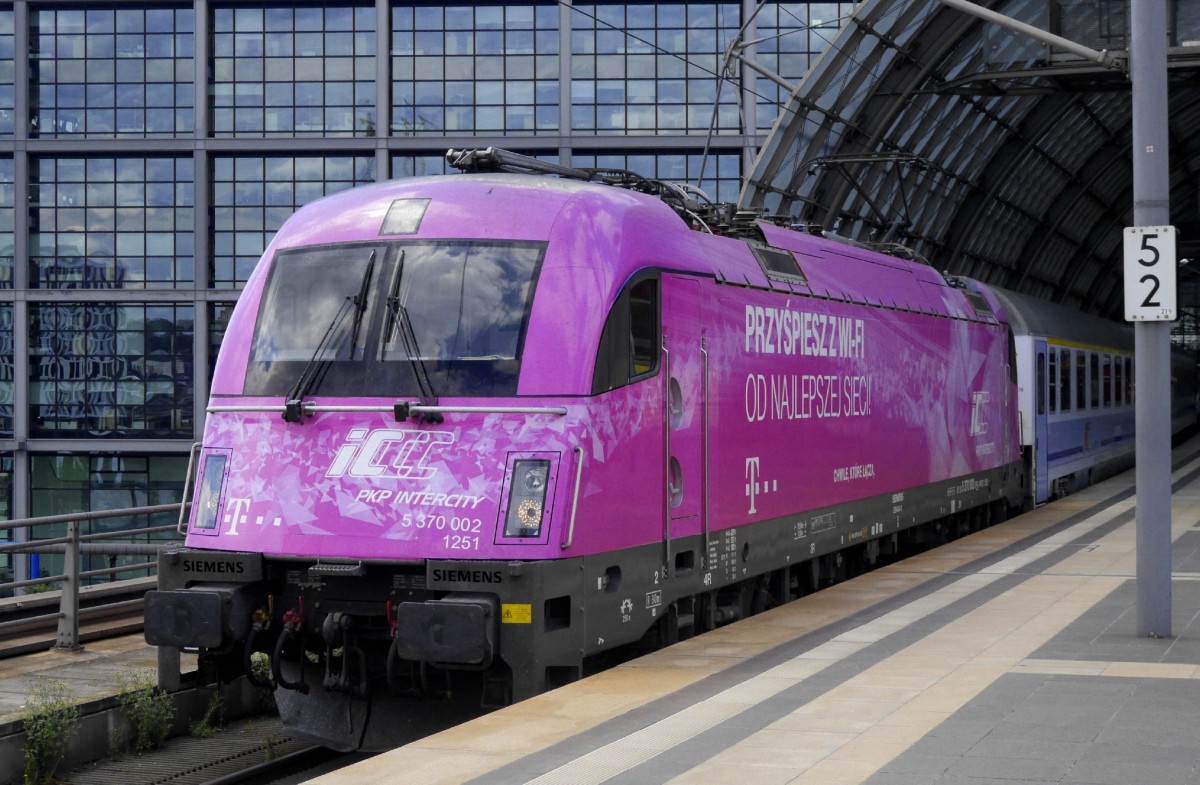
(1040, 426)
(684, 408)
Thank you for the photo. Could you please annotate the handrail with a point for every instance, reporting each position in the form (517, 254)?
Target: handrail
(574, 497)
(90, 515)
(666, 509)
(181, 526)
(57, 544)
(705, 481)
(74, 544)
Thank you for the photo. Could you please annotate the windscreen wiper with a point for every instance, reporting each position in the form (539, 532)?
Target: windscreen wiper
(360, 303)
(398, 319)
(314, 371)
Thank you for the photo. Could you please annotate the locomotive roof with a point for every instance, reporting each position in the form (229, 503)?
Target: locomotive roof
(358, 214)
(626, 230)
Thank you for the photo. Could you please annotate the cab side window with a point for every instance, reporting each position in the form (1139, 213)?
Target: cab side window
(629, 344)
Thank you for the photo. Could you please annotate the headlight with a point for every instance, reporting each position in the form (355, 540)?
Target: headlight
(527, 500)
(535, 478)
(208, 499)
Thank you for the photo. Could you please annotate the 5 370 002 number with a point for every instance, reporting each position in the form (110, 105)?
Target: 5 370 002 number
(420, 520)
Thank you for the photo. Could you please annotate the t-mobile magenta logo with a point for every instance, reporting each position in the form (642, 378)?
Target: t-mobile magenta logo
(752, 483)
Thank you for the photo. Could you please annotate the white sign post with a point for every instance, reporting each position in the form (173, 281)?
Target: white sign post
(1150, 274)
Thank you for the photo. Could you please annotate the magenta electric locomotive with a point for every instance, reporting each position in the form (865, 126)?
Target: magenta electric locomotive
(469, 433)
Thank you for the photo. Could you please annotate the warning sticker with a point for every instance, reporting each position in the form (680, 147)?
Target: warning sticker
(516, 614)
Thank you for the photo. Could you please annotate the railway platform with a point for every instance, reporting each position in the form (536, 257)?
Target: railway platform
(1009, 656)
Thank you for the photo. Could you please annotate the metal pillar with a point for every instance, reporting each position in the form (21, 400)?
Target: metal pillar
(68, 623)
(1152, 340)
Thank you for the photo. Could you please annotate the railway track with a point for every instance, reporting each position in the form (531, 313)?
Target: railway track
(248, 752)
(30, 623)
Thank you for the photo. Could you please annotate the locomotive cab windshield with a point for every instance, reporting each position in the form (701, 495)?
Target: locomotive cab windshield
(459, 308)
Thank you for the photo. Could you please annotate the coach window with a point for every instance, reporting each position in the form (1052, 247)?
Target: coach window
(1094, 376)
(1128, 381)
(1053, 382)
(1106, 377)
(1041, 382)
(1064, 379)
(1118, 381)
(629, 344)
(1080, 381)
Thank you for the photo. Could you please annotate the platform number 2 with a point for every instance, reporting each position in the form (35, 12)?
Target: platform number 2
(1150, 273)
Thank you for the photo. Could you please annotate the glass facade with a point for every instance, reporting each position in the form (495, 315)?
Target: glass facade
(218, 320)
(306, 71)
(149, 151)
(125, 71)
(7, 370)
(7, 218)
(252, 195)
(110, 370)
(419, 165)
(475, 69)
(6, 487)
(789, 35)
(68, 483)
(111, 223)
(646, 69)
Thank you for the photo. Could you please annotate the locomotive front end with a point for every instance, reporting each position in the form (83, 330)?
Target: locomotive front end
(380, 512)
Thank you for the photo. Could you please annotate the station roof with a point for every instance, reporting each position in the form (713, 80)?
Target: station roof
(989, 153)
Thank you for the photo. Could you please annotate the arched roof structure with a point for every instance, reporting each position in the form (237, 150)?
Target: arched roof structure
(989, 153)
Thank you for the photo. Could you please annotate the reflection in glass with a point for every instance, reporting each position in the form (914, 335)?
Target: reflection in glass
(466, 300)
(252, 195)
(71, 483)
(621, 54)
(718, 174)
(112, 370)
(311, 304)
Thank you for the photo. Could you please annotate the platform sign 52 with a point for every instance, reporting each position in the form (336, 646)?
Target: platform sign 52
(1150, 274)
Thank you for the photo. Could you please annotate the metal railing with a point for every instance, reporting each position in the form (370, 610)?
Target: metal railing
(73, 546)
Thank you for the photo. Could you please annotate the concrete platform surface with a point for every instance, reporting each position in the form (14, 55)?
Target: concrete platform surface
(90, 673)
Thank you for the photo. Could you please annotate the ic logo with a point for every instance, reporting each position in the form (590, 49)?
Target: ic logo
(978, 423)
(389, 453)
